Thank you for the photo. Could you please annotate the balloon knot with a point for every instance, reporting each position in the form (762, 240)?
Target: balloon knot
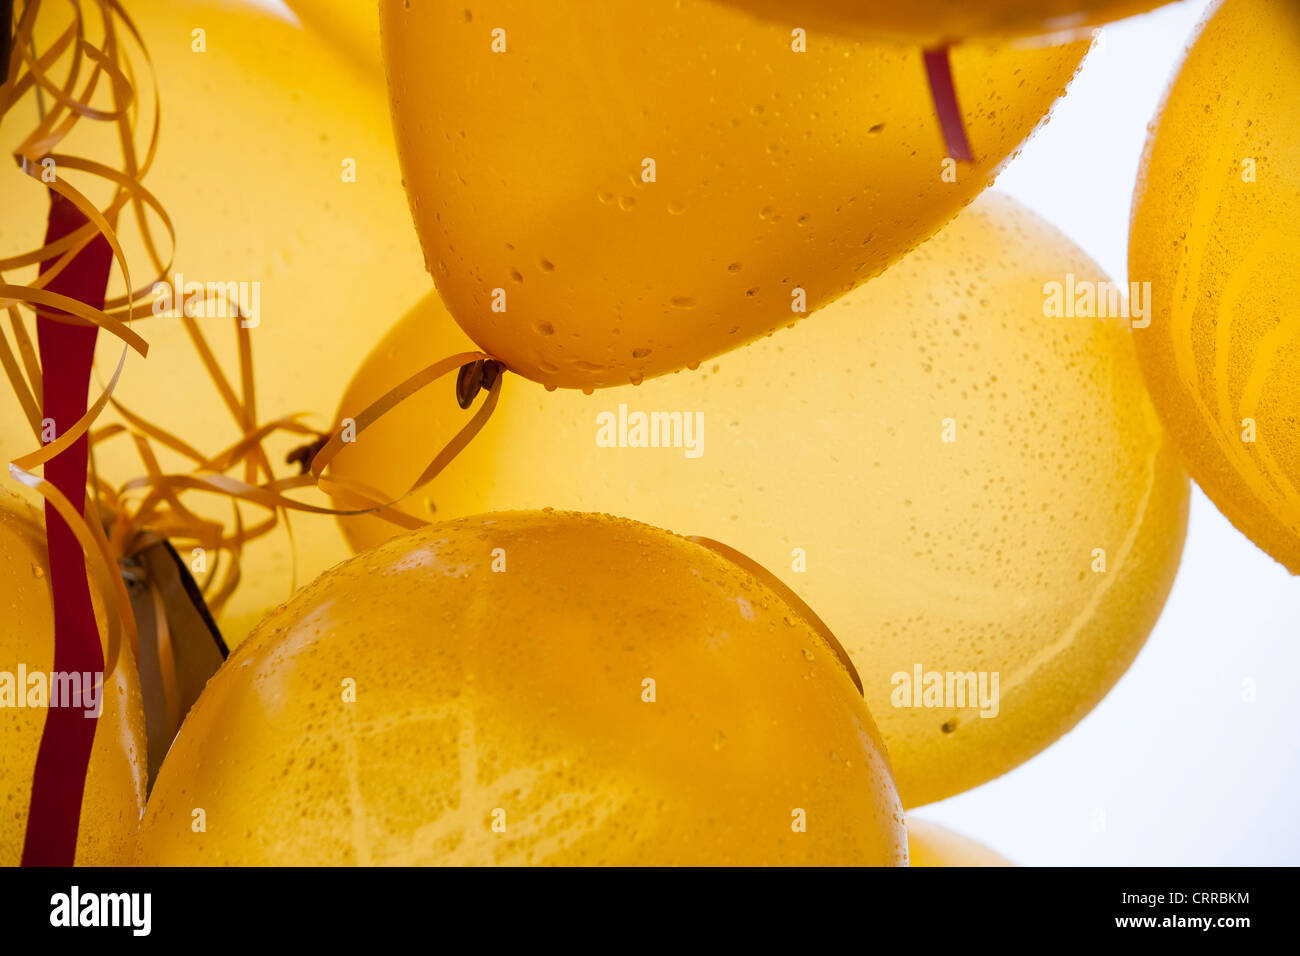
(302, 455)
(476, 376)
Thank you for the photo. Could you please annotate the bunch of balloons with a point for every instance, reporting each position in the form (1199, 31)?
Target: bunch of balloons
(689, 586)
(889, 461)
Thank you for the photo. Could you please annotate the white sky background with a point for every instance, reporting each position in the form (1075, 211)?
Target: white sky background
(1175, 766)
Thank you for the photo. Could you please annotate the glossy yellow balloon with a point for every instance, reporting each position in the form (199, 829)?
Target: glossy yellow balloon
(932, 22)
(626, 190)
(115, 780)
(1215, 234)
(929, 844)
(262, 132)
(530, 687)
(1039, 542)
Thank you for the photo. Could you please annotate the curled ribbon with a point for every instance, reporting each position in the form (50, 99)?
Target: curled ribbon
(28, 72)
(118, 520)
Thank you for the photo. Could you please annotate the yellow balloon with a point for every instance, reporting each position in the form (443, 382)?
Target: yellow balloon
(606, 193)
(929, 844)
(952, 480)
(279, 170)
(537, 687)
(351, 25)
(1214, 233)
(933, 22)
(113, 801)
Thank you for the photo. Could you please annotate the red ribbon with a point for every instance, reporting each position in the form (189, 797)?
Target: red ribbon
(67, 352)
(938, 69)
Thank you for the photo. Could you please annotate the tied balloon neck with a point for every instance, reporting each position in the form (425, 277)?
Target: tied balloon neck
(179, 645)
(476, 376)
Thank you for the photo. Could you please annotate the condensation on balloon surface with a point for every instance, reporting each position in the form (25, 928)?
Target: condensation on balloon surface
(544, 688)
(113, 801)
(1215, 234)
(608, 192)
(1038, 543)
